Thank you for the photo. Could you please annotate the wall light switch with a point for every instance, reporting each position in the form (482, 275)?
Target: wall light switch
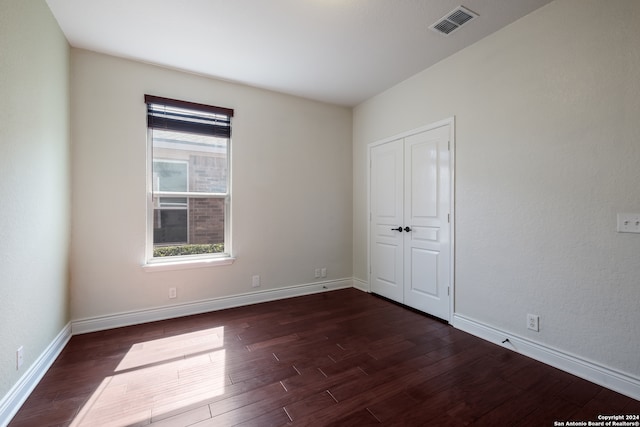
(628, 223)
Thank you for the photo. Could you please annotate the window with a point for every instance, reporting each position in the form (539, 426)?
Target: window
(188, 180)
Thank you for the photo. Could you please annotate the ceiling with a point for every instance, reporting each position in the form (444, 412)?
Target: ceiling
(337, 51)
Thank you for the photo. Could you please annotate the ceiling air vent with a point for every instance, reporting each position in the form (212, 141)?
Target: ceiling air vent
(453, 20)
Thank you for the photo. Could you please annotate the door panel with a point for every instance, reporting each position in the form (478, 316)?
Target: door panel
(423, 179)
(424, 263)
(387, 272)
(430, 234)
(388, 201)
(386, 198)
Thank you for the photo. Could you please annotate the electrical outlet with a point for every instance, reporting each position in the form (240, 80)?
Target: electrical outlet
(255, 281)
(317, 273)
(533, 322)
(323, 272)
(628, 223)
(19, 357)
(173, 293)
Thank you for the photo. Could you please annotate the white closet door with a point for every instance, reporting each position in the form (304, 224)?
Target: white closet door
(427, 190)
(386, 198)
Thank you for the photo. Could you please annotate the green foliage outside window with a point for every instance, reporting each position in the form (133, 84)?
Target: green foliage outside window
(213, 248)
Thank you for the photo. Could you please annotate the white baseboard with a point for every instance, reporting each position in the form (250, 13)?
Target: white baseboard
(361, 285)
(93, 324)
(13, 400)
(590, 371)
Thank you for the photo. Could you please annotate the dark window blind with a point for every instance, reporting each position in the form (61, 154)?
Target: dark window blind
(183, 116)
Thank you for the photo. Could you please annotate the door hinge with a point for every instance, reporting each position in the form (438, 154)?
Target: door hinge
(449, 217)
(449, 145)
(448, 289)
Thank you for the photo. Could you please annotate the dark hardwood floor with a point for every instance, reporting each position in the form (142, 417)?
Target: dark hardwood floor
(342, 358)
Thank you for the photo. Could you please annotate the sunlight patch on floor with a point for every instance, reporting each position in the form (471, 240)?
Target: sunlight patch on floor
(159, 378)
(179, 346)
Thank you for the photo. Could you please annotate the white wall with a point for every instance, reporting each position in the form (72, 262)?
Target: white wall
(34, 184)
(291, 188)
(548, 151)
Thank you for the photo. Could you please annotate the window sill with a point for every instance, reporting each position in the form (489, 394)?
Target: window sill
(153, 267)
